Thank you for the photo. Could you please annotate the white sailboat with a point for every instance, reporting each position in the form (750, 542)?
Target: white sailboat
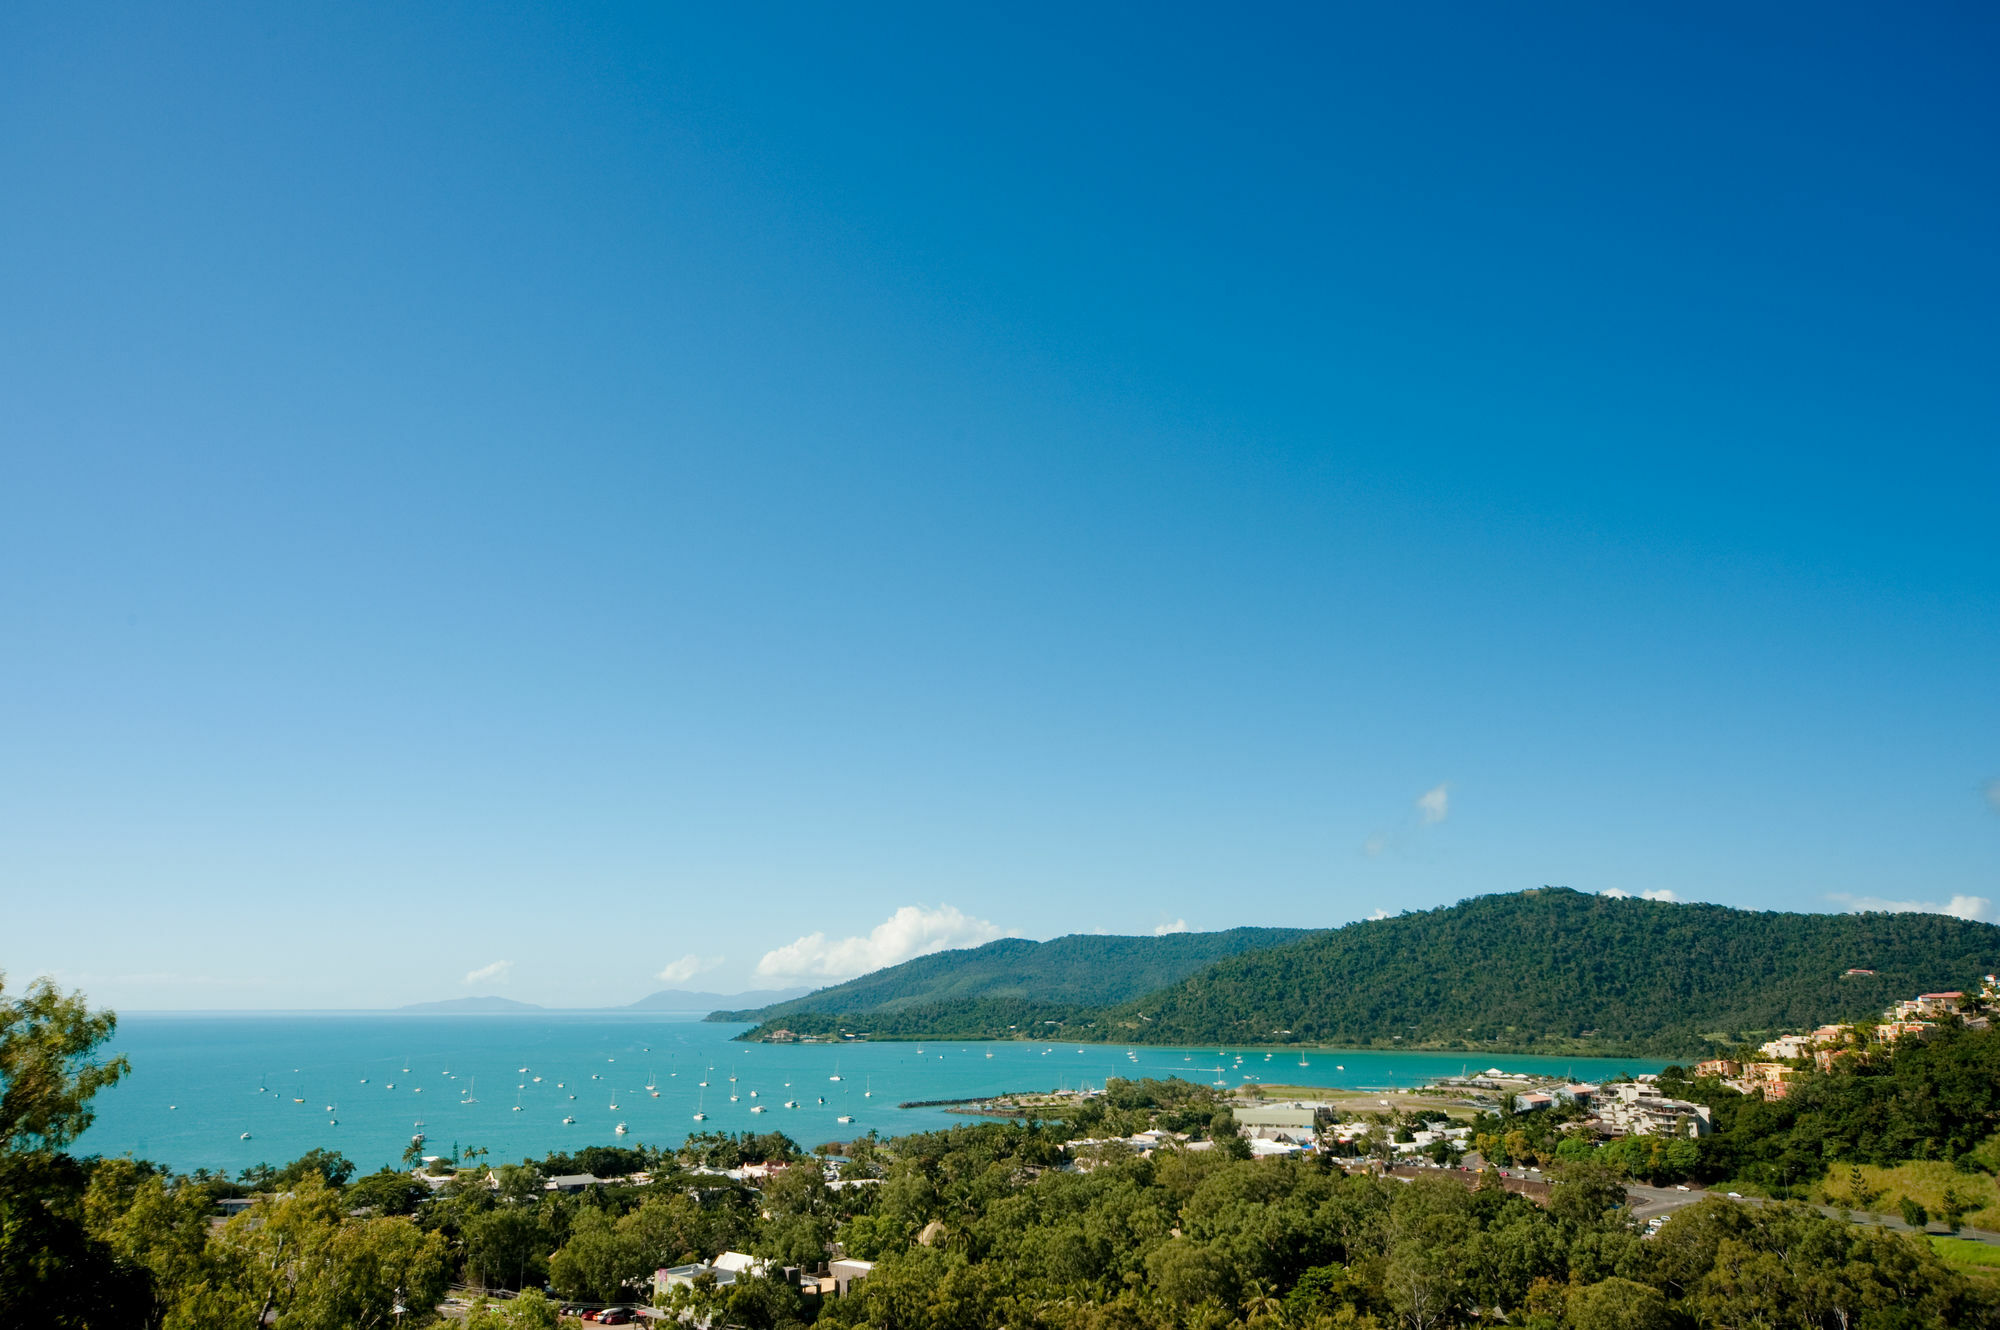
(868, 1092)
(470, 1086)
(700, 1116)
(836, 1070)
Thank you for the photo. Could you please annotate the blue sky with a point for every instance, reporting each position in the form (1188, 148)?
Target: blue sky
(569, 496)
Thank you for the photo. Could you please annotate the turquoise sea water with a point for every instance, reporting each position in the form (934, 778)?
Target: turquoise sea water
(194, 1090)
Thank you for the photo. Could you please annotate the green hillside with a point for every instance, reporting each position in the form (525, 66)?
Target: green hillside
(1012, 978)
(1559, 969)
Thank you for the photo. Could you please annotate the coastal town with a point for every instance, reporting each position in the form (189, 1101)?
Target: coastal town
(1453, 1127)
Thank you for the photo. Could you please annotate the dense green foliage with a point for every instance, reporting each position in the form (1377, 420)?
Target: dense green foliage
(1550, 970)
(1187, 1240)
(1930, 1099)
(983, 1227)
(1008, 1226)
(1065, 974)
(1555, 969)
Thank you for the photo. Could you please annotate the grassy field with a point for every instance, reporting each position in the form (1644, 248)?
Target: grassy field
(1974, 1260)
(1923, 1182)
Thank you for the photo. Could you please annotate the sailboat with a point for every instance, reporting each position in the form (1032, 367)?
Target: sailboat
(700, 1116)
(845, 1116)
(517, 1101)
(567, 1120)
(614, 1101)
(620, 1129)
(836, 1070)
(244, 1137)
(653, 1084)
(868, 1090)
(470, 1086)
(1302, 1060)
(756, 1108)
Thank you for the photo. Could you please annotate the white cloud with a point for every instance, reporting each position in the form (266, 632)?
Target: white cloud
(1959, 907)
(1378, 913)
(494, 973)
(908, 933)
(687, 967)
(1661, 895)
(1177, 926)
(1433, 806)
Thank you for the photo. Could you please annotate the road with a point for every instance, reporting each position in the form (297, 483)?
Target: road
(1647, 1202)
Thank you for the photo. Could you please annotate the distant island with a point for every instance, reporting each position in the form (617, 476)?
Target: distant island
(1550, 971)
(666, 1000)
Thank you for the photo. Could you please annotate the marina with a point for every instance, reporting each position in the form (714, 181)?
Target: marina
(199, 1094)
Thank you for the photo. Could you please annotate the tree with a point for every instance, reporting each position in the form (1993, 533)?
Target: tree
(1618, 1304)
(46, 1076)
(53, 1271)
(319, 1270)
(507, 1243)
(1953, 1206)
(161, 1227)
(1913, 1213)
(1584, 1190)
(597, 1262)
(530, 1311)
(387, 1192)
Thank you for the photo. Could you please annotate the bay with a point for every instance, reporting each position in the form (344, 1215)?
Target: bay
(326, 1082)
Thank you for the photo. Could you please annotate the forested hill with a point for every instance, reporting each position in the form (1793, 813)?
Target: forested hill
(1561, 969)
(1018, 979)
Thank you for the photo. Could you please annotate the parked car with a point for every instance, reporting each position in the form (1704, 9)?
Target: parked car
(615, 1316)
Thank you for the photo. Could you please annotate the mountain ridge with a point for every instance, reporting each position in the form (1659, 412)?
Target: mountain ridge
(1547, 970)
(1072, 972)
